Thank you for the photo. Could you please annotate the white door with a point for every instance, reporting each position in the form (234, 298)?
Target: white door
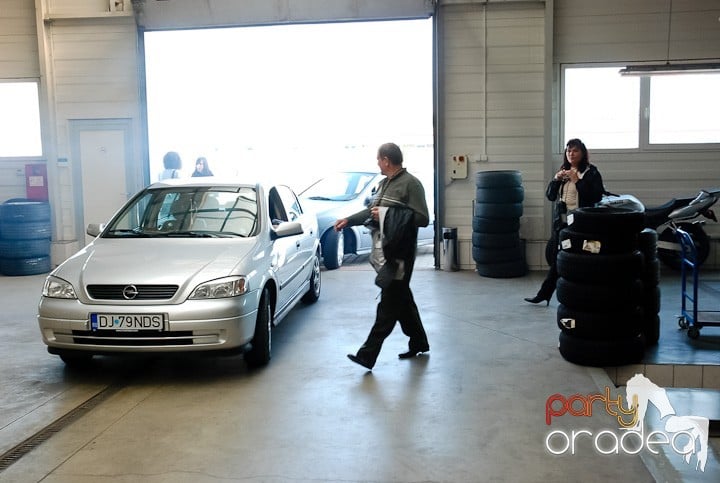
(101, 170)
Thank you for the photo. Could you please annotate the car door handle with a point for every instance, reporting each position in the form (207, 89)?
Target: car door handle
(297, 244)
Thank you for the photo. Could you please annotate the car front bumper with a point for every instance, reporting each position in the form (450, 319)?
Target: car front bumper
(195, 325)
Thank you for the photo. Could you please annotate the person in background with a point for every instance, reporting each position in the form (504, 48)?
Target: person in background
(202, 168)
(172, 164)
(577, 184)
(394, 216)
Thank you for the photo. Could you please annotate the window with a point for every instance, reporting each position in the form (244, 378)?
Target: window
(684, 109)
(604, 108)
(19, 119)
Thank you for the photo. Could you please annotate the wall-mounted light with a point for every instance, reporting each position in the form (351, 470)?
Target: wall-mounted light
(667, 69)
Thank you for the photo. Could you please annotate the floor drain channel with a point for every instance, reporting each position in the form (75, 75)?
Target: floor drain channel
(14, 454)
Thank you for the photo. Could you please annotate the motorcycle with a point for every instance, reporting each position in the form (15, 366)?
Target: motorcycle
(667, 218)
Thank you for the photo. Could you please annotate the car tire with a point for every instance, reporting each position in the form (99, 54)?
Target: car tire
(333, 248)
(313, 293)
(260, 352)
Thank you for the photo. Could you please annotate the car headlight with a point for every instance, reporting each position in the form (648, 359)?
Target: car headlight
(58, 288)
(217, 289)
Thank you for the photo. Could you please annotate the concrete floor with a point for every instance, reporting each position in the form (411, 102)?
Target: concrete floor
(471, 410)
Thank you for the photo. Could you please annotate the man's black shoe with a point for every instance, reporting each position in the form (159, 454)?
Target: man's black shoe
(357, 360)
(413, 353)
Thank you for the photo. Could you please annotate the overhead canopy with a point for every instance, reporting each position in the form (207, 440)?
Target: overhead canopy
(178, 14)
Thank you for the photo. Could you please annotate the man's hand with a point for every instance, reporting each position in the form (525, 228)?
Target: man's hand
(340, 224)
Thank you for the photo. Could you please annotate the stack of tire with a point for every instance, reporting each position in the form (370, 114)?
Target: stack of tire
(497, 249)
(648, 240)
(600, 287)
(25, 232)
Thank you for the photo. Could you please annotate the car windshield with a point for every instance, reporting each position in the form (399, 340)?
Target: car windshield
(188, 212)
(339, 187)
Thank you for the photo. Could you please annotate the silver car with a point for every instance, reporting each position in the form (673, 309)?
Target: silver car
(185, 266)
(339, 195)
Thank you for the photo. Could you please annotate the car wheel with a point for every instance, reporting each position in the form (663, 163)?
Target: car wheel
(333, 245)
(313, 293)
(259, 354)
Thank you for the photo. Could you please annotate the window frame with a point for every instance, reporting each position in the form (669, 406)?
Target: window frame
(643, 117)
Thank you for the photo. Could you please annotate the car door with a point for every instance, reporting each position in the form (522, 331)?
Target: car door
(294, 212)
(364, 233)
(287, 251)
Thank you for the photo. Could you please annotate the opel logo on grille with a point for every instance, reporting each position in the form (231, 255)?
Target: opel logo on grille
(130, 292)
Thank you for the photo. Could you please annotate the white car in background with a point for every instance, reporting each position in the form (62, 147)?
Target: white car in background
(338, 196)
(191, 265)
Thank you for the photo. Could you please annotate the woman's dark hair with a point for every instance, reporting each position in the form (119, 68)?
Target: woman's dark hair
(392, 152)
(171, 160)
(205, 170)
(584, 161)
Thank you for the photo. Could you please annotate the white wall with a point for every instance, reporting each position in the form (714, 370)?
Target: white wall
(499, 64)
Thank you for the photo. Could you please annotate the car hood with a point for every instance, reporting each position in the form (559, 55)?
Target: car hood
(332, 210)
(156, 261)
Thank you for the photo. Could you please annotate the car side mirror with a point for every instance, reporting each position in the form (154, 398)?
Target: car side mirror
(94, 229)
(286, 228)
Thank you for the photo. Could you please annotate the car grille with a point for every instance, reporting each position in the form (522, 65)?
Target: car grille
(134, 339)
(144, 292)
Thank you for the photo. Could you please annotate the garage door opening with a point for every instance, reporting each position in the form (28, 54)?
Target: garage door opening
(294, 101)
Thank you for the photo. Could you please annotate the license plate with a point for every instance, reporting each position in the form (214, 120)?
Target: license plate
(127, 322)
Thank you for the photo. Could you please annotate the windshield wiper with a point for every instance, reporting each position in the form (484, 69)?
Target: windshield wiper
(127, 232)
(192, 234)
(320, 198)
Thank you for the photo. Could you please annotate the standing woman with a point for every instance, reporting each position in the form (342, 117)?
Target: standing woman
(578, 184)
(202, 168)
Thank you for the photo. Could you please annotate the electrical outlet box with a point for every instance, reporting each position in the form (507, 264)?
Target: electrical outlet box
(458, 168)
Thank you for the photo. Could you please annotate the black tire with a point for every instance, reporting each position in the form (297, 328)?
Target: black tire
(606, 222)
(497, 255)
(495, 240)
(313, 293)
(620, 296)
(24, 266)
(498, 179)
(651, 272)
(594, 325)
(504, 194)
(591, 243)
(495, 225)
(601, 353)
(651, 299)
(651, 329)
(512, 269)
(260, 353)
(24, 211)
(647, 242)
(25, 248)
(28, 230)
(498, 210)
(333, 248)
(600, 269)
(672, 258)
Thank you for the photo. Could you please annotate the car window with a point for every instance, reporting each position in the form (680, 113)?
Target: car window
(192, 211)
(339, 186)
(290, 203)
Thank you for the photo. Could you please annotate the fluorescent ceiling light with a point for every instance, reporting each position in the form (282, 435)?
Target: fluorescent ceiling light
(666, 69)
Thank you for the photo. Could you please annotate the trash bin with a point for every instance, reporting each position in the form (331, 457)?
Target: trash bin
(449, 261)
